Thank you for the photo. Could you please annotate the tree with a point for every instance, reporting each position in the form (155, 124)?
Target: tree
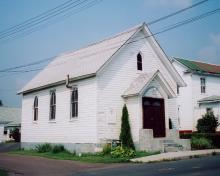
(125, 135)
(16, 135)
(1, 104)
(208, 123)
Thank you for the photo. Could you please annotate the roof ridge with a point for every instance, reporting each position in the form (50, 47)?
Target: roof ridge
(103, 40)
(196, 61)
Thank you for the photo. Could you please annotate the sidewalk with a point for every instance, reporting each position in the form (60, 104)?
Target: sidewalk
(176, 155)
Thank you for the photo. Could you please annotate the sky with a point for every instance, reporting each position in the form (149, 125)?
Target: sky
(196, 41)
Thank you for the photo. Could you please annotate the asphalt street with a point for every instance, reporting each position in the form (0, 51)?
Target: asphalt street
(204, 166)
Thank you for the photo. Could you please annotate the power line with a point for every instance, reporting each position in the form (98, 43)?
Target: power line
(177, 12)
(168, 28)
(33, 18)
(27, 65)
(88, 5)
(149, 23)
(41, 20)
(28, 23)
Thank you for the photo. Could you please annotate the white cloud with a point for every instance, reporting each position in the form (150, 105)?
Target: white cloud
(215, 38)
(208, 52)
(169, 3)
(212, 50)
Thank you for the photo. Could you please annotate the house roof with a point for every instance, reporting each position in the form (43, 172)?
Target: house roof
(142, 81)
(138, 84)
(83, 62)
(210, 99)
(88, 61)
(199, 67)
(10, 116)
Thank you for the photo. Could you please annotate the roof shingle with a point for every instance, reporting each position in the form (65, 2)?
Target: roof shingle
(200, 67)
(10, 116)
(85, 61)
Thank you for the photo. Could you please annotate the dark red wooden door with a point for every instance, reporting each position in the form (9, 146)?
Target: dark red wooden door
(154, 115)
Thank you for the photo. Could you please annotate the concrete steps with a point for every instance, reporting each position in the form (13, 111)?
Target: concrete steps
(171, 146)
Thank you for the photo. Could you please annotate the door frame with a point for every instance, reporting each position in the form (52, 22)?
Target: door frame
(163, 112)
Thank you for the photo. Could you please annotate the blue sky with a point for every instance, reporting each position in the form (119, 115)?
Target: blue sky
(198, 41)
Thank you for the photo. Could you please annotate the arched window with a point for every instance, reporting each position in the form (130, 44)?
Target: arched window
(74, 102)
(139, 62)
(35, 108)
(52, 105)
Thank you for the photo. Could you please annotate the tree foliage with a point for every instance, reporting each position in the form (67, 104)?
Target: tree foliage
(16, 135)
(208, 123)
(125, 135)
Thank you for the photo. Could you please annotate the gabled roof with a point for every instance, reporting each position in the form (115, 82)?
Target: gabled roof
(83, 62)
(10, 116)
(88, 61)
(199, 67)
(210, 99)
(139, 85)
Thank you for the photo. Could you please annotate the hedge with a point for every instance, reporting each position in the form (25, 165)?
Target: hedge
(214, 137)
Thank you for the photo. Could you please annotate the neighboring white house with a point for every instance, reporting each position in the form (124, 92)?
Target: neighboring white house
(129, 68)
(201, 94)
(10, 118)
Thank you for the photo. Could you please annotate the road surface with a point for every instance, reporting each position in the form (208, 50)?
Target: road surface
(204, 166)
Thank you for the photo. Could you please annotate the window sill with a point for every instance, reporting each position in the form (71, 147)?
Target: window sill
(73, 119)
(52, 121)
(34, 122)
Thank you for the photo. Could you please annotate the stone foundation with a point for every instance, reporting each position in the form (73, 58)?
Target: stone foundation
(71, 147)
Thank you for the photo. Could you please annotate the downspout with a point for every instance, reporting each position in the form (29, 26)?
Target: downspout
(67, 83)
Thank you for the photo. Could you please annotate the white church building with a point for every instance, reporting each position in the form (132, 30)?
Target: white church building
(85, 111)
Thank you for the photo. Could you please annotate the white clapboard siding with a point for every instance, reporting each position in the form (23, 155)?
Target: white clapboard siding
(64, 130)
(116, 78)
(189, 109)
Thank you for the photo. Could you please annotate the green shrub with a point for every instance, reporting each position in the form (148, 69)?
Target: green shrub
(125, 135)
(16, 135)
(42, 148)
(58, 149)
(120, 152)
(106, 149)
(213, 137)
(198, 143)
(208, 123)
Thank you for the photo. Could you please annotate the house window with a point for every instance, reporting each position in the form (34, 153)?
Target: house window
(139, 62)
(74, 103)
(203, 85)
(52, 105)
(35, 108)
(5, 131)
(178, 89)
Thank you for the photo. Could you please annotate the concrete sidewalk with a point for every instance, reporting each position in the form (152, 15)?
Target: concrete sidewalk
(176, 155)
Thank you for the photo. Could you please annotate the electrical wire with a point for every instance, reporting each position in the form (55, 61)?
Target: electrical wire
(13, 30)
(37, 28)
(168, 28)
(40, 20)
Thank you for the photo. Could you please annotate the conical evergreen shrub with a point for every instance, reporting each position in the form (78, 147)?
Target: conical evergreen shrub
(125, 135)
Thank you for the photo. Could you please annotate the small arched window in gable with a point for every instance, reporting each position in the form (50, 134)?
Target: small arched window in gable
(74, 103)
(52, 105)
(139, 61)
(36, 108)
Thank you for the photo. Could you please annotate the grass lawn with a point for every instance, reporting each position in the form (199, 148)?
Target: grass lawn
(3, 173)
(91, 158)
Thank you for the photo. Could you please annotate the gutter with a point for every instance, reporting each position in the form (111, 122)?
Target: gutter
(208, 101)
(56, 84)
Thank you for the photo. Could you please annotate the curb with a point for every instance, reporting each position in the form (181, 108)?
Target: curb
(158, 158)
